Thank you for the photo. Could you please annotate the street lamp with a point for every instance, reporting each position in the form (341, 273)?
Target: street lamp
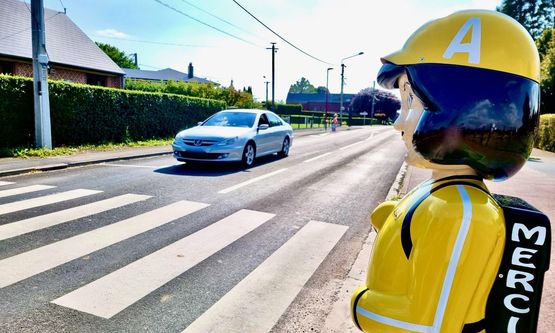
(342, 82)
(327, 93)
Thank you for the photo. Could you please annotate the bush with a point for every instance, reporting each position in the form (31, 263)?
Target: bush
(82, 114)
(546, 133)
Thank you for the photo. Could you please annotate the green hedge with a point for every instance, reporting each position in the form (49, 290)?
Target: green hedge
(288, 108)
(546, 133)
(82, 114)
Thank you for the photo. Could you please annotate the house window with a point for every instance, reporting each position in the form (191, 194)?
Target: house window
(96, 80)
(6, 67)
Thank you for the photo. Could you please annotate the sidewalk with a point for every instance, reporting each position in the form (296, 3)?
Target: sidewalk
(535, 183)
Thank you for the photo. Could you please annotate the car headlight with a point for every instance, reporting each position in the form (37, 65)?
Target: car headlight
(229, 141)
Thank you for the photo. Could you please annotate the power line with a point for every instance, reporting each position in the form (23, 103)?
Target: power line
(204, 23)
(219, 18)
(152, 42)
(143, 65)
(275, 33)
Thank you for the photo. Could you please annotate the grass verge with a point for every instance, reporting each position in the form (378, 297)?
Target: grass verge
(26, 152)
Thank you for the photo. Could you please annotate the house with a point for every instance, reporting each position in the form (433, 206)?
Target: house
(72, 54)
(164, 75)
(317, 102)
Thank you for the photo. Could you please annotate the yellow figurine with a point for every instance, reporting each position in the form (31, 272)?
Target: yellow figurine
(450, 256)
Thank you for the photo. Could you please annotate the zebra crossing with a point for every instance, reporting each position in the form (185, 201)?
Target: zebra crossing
(255, 304)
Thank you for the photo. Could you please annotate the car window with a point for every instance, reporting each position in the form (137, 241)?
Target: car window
(231, 119)
(274, 120)
(263, 120)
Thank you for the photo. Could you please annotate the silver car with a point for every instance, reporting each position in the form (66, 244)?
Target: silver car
(234, 135)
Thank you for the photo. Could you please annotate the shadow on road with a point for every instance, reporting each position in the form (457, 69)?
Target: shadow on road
(213, 169)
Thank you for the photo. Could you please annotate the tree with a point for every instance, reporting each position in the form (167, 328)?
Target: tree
(534, 15)
(321, 90)
(302, 86)
(546, 48)
(385, 105)
(117, 56)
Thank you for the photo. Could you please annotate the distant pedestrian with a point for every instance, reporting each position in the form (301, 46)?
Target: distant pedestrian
(334, 122)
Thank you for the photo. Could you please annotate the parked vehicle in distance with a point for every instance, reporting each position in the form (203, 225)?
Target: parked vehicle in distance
(234, 135)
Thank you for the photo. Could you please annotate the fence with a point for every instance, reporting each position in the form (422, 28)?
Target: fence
(317, 120)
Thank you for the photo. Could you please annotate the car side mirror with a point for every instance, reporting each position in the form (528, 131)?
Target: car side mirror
(263, 127)
(200, 123)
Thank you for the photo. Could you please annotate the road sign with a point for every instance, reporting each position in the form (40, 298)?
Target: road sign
(364, 113)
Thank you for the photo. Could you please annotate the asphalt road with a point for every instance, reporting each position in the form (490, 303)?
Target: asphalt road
(153, 245)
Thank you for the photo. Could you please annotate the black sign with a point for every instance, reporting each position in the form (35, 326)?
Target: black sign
(514, 301)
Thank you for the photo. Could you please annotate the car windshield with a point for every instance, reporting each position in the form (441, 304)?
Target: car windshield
(231, 119)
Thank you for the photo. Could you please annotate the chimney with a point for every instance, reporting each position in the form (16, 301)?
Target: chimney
(190, 75)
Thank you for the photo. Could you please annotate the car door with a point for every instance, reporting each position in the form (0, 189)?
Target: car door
(277, 132)
(263, 136)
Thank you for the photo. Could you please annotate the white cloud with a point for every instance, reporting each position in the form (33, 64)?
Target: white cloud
(112, 33)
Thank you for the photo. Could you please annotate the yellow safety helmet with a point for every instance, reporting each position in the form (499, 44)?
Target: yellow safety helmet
(477, 73)
(475, 38)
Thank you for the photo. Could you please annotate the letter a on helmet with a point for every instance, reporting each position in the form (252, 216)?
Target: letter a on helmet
(473, 47)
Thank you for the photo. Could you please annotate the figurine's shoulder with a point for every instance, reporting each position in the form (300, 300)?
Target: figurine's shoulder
(458, 199)
(444, 196)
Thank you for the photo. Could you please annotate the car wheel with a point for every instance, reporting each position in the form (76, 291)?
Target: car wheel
(249, 153)
(285, 148)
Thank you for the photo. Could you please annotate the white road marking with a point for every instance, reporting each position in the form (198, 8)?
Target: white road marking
(351, 145)
(44, 221)
(43, 201)
(27, 264)
(317, 157)
(23, 190)
(5, 183)
(250, 181)
(113, 293)
(257, 302)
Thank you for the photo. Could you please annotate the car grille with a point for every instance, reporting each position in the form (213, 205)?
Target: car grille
(200, 156)
(199, 142)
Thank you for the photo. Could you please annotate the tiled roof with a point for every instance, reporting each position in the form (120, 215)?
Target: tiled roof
(66, 44)
(298, 98)
(163, 74)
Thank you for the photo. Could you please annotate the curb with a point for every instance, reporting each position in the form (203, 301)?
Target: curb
(59, 166)
(339, 319)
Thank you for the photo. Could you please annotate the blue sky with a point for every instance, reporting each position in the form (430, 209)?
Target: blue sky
(327, 29)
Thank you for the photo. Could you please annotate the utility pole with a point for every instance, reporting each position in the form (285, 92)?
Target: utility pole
(135, 59)
(343, 82)
(274, 50)
(373, 101)
(43, 134)
(266, 82)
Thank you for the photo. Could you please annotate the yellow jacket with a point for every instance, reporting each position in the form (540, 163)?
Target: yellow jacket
(434, 259)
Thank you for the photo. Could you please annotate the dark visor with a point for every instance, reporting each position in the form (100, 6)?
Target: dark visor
(478, 117)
